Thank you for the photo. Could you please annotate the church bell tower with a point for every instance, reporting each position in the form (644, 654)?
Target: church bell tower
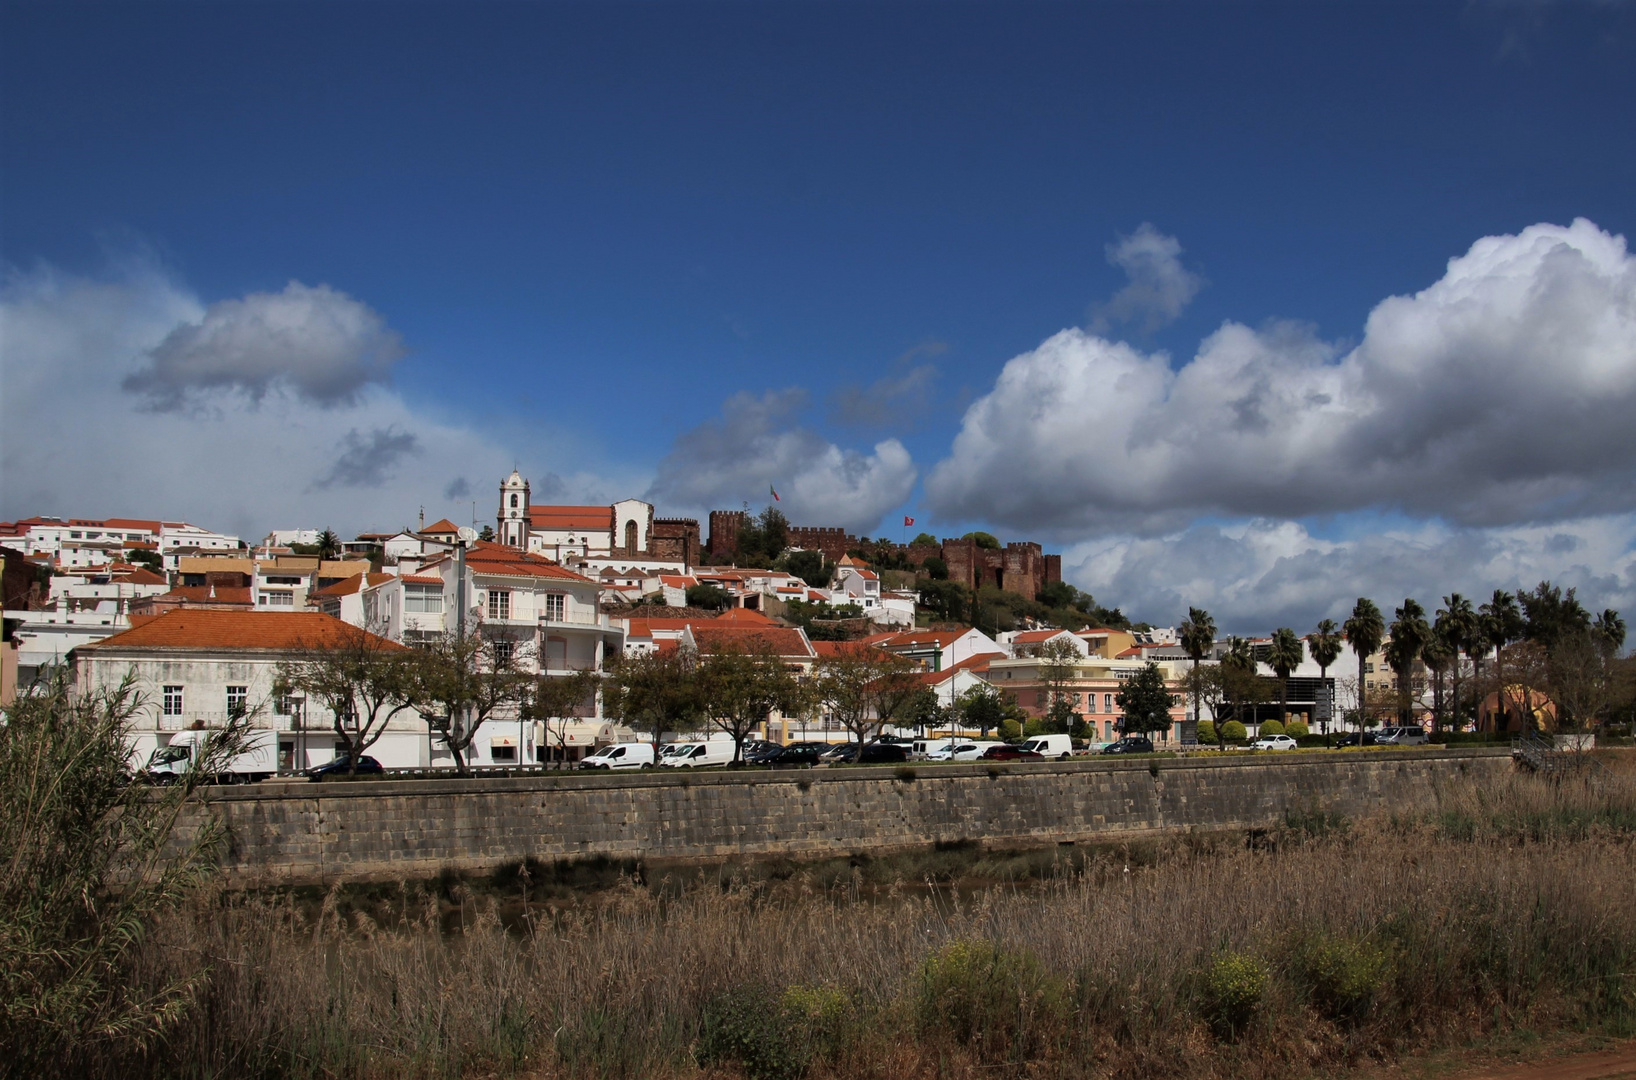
(511, 527)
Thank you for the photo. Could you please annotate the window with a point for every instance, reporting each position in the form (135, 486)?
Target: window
(427, 598)
(278, 598)
(555, 604)
(1107, 703)
(75, 536)
(499, 604)
(514, 502)
(502, 652)
(1368, 667)
(238, 700)
(503, 753)
(285, 704)
(173, 701)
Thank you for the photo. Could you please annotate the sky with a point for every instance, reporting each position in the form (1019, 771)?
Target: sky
(1252, 307)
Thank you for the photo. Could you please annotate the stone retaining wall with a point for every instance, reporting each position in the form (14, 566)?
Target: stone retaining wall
(372, 830)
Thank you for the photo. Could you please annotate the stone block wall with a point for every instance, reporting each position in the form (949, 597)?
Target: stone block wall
(382, 830)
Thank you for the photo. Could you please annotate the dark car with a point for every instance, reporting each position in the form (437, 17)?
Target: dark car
(367, 766)
(762, 754)
(794, 755)
(1358, 738)
(877, 752)
(1007, 752)
(841, 753)
(1130, 744)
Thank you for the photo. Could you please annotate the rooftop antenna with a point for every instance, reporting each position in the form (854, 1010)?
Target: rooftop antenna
(422, 519)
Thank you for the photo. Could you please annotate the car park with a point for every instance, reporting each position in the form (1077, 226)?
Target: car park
(694, 755)
(367, 766)
(1130, 744)
(793, 755)
(931, 749)
(1274, 742)
(1010, 752)
(840, 754)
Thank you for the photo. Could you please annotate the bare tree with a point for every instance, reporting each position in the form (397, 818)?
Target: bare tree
(742, 687)
(557, 700)
(363, 679)
(861, 686)
(459, 683)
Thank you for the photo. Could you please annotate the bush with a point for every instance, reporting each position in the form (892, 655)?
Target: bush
(1345, 975)
(1233, 731)
(739, 1026)
(1270, 727)
(1207, 731)
(1010, 730)
(1234, 985)
(1296, 729)
(992, 998)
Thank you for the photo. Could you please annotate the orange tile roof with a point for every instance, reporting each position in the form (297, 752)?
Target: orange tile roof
(144, 576)
(1029, 636)
(925, 637)
(444, 526)
(354, 584)
(676, 581)
(744, 616)
(1137, 651)
(204, 594)
(571, 517)
(423, 579)
(487, 558)
(192, 628)
(783, 640)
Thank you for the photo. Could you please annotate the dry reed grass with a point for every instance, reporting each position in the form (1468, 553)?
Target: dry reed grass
(1508, 908)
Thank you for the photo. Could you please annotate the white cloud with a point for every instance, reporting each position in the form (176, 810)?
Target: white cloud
(1502, 394)
(755, 445)
(1257, 574)
(1160, 286)
(319, 343)
(312, 443)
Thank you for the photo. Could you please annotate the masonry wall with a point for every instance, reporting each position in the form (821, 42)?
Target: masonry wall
(307, 833)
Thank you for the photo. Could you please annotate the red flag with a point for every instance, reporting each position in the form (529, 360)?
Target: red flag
(774, 491)
(908, 521)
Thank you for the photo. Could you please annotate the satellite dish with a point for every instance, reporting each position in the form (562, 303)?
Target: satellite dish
(468, 535)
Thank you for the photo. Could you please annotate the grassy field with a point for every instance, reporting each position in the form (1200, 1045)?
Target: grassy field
(1319, 946)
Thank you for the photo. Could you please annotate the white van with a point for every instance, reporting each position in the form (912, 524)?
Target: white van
(931, 749)
(258, 760)
(970, 751)
(1051, 746)
(695, 755)
(630, 755)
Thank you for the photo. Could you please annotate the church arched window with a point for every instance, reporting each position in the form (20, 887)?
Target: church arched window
(513, 501)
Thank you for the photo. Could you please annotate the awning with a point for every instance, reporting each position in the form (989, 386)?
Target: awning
(502, 740)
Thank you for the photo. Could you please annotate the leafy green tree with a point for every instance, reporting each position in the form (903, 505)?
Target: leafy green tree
(983, 540)
(809, 566)
(89, 864)
(1011, 729)
(1284, 657)
(743, 687)
(1207, 732)
(946, 601)
(763, 538)
(863, 687)
(1198, 636)
(936, 568)
(152, 560)
(362, 679)
(658, 691)
(981, 707)
(329, 545)
(1233, 732)
(1611, 629)
(1459, 626)
(1145, 701)
(486, 534)
(1364, 631)
(1502, 623)
(555, 700)
(1058, 667)
(709, 597)
(924, 540)
(1324, 644)
(1551, 615)
(1438, 654)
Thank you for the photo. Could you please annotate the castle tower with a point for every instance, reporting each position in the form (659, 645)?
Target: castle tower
(511, 526)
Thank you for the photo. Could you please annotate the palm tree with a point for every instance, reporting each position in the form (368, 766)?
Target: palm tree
(1409, 635)
(1457, 623)
(1501, 625)
(1363, 632)
(1611, 629)
(1437, 654)
(1198, 636)
(329, 545)
(1324, 644)
(1286, 655)
(1239, 655)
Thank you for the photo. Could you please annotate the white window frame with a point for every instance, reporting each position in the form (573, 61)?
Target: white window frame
(556, 607)
(499, 604)
(173, 700)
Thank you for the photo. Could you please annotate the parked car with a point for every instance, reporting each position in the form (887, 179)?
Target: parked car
(367, 766)
(878, 752)
(1413, 735)
(793, 755)
(840, 754)
(634, 755)
(1010, 752)
(931, 749)
(971, 751)
(1274, 742)
(1130, 744)
(1358, 738)
(256, 761)
(1057, 746)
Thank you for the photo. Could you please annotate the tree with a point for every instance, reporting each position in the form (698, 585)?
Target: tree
(656, 690)
(1409, 635)
(1501, 624)
(946, 600)
(935, 568)
(91, 863)
(460, 683)
(1324, 644)
(1611, 629)
(329, 545)
(1364, 631)
(709, 597)
(924, 539)
(555, 700)
(1216, 690)
(1146, 701)
(1551, 616)
(742, 687)
(486, 534)
(1284, 657)
(1198, 637)
(981, 707)
(983, 540)
(1058, 667)
(922, 711)
(862, 686)
(809, 566)
(150, 559)
(1458, 624)
(763, 538)
(1438, 654)
(362, 679)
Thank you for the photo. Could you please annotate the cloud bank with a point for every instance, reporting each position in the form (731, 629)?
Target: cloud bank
(1500, 395)
(756, 444)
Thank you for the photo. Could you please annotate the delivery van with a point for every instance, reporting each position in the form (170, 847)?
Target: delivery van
(1051, 746)
(696, 755)
(630, 755)
(931, 749)
(257, 761)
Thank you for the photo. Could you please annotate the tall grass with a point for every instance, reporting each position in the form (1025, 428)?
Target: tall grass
(1322, 944)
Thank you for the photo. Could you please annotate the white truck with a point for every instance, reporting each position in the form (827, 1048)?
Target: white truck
(1051, 746)
(257, 761)
(696, 755)
(931, 749)
(631, 755)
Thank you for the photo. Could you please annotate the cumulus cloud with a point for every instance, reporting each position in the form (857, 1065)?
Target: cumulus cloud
(757, 444)
(289, 450)
(1160, 286)
(896, 399)
(1258, 574)
(1500, 395)
(318, 342)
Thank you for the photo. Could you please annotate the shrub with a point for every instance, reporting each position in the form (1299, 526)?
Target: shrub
(1010, 730)
(1271, 727)
(1233, 988)
(1232, 731)
(990, 997)
(1296, 729)
(1207, 731)
(1346, 974)
(737, 1025)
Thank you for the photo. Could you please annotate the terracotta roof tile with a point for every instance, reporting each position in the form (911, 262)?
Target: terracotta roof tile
(192, 628)
(743, 616)
(783, 640)
(444, 526)
(587, 518)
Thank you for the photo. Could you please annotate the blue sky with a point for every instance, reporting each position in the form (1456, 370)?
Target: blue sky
(693, 250)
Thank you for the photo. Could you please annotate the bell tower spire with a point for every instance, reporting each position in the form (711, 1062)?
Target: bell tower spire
(511, 525)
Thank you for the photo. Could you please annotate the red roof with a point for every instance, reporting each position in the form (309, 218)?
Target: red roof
(924, 637)
(143, 576)
(783, 640)
(353, 584)
(205, 594)
(192, 628)
(444, 526)
(487, 558)
(423, 579)
(744, 616)
(677, 581)
(571, 517)
(1136, 651)
(1028, 637)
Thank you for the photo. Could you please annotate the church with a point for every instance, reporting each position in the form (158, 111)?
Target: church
(626, 532)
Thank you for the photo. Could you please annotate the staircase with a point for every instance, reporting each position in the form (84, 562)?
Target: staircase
(1540, 754)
